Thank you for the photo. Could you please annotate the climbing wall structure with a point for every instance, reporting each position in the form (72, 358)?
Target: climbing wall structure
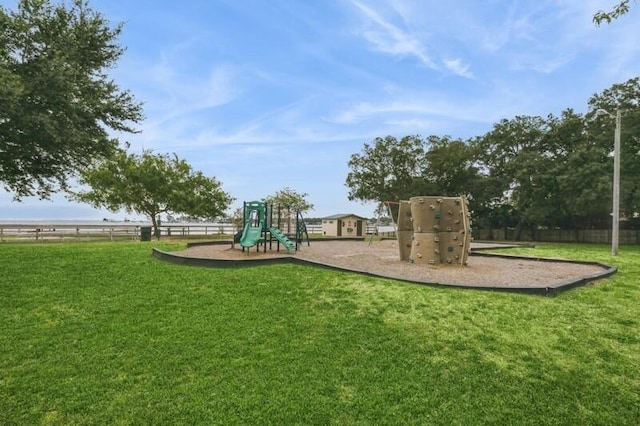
(434, 230)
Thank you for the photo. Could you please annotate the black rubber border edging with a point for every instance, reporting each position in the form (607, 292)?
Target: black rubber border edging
(549, 290)
(607, 271)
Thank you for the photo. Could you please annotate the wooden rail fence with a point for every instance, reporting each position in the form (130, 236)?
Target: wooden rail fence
(112, 231)
(596, 236)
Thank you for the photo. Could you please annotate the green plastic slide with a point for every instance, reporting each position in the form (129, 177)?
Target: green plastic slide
(250, 235)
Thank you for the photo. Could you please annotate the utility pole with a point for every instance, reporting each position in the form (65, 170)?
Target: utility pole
(615, 232)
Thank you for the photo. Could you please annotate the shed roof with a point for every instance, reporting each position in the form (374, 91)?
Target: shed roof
(343, 215)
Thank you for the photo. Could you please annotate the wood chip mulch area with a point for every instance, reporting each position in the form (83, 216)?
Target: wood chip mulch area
(381, 258)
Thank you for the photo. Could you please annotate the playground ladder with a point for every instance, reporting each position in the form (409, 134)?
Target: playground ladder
(290, 245)
(301, 230)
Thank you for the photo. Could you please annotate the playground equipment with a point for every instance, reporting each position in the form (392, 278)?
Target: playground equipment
(434, 230)
(259, 228)
(254, 221)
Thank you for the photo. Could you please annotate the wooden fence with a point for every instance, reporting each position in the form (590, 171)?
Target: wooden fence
(112, 231)
(596, 236)
(67, 232)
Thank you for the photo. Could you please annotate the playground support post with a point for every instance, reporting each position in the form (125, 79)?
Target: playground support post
(244, 218)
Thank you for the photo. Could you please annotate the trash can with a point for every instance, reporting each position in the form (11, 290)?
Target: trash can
(145, 233)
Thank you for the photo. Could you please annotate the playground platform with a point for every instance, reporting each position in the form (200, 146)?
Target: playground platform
(484, 270)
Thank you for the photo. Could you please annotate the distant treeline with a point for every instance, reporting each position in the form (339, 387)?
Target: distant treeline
(527, 173)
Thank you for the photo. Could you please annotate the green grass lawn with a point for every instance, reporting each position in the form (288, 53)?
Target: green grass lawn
(105, 334)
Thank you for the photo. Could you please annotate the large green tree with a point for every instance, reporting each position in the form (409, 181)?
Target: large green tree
(451, 168)
(557, 171)
(290, 199)
(57, 101)
(392, 169)
(151, 184)
(289, 202)
(515, 154)
(387, 170)
(623, 97)
(581, 170)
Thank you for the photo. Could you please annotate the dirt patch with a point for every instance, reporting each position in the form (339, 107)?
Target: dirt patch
(382, 258)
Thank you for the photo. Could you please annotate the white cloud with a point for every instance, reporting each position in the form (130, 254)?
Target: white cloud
(411, 123)
(178, 93)
(457, 67)
(390, 39)
(551, 65)
(405, 109)
(402, 39)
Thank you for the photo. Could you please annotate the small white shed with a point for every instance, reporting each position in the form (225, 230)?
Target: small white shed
(343, 225)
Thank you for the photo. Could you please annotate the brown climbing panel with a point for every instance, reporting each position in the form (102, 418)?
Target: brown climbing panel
(404, 222)
(453, 248)
(452, 214)
(425, 212)
(425, 249)
(404, 230)
(404, 244)
(466, 229)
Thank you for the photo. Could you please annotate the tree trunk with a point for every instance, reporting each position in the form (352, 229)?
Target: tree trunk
(518, 231)
(154, 224)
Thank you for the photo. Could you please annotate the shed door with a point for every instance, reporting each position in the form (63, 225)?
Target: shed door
(339, 228)
(359, 228)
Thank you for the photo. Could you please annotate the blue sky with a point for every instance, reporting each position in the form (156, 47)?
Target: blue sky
(270, 94)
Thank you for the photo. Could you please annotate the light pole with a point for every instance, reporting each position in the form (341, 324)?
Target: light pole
(615, 227)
